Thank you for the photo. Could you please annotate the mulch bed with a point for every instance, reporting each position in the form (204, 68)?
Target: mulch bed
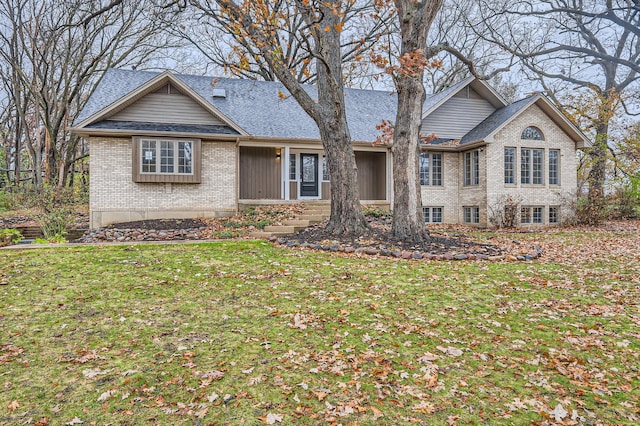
(377, 240)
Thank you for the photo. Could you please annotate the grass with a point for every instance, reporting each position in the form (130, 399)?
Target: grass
(241, 332)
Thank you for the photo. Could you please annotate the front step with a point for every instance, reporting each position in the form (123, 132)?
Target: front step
(298, 222)
(313, 217)
(283, 229)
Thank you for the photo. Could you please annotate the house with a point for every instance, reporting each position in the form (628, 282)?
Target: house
(164, 145)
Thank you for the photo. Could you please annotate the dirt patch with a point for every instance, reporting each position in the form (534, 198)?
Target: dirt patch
(160, 224)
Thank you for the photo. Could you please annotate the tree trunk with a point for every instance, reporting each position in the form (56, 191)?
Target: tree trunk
(408, 221)
(415, 20)
(331, 118)
(597, 172)
(346, 211)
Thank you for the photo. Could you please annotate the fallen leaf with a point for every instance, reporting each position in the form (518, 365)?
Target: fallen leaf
(273, 418)
(75, 421)
(13, 405)
(213, 397)
(105, 395)
(558, 413)
(376, 413)
(450, 350)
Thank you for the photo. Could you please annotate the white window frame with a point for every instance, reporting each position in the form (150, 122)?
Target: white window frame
(428, 214)
(554, 168)
(471, 168)
(158, 151)
(431, 175)
(510, 173)
(471, 215)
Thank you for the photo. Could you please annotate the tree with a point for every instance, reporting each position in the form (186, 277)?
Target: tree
(55, 53)
(216, 39)
(260, 25)
(415, 20)
(575, 48)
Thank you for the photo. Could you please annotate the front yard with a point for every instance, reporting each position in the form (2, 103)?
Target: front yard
(242, 332)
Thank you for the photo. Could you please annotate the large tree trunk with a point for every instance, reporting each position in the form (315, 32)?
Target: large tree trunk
(408, 221)
(331, 118)
(415, 20)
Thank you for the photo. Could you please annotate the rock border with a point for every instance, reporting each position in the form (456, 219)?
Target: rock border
(536, 253)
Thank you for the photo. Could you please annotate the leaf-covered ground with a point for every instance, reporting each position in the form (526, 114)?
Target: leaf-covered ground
(241, 332)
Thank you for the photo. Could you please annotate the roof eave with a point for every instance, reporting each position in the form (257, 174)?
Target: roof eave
(89, 132)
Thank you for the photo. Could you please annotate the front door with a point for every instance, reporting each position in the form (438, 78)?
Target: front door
(309, 175)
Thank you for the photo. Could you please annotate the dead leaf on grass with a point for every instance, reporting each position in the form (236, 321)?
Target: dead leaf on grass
(450, 350)
(13, 405)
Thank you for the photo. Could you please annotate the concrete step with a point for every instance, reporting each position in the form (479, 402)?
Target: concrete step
(297, 222)
(261, 235)
(283, 229)
(323, 209)
(313, 217)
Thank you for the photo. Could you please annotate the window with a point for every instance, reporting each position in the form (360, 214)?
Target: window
(432, 214)
(292, 167)
(166, 160)
(325, 168)
(531, 215)
(537, 214)
(554, 167)
(471, 214)
(532, 133)
(509, 165)
(471, 168)
(531, 166)
(430, 169)
(553, 214)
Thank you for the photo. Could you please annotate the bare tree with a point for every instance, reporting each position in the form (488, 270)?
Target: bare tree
(57, 52)
(584, 53)
(218, 41)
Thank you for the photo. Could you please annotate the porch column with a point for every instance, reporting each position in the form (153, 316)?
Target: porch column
(285, 172)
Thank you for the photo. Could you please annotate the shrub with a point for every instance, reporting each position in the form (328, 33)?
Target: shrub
(9, 236)
(506, 212)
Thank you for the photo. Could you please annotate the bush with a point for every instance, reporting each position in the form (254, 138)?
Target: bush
(4, 201)
(9, 236)
(506, 212)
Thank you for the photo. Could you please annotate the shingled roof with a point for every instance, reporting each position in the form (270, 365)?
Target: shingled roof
(257, 107)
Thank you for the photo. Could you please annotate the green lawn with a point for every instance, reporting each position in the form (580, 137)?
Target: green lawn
(241, 332)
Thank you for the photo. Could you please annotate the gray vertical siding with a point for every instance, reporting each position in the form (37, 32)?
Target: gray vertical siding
(260, 174)
(166, 108)
(456, 117)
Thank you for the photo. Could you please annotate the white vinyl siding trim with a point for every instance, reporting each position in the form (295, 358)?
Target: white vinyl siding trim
(164, 108)
(456, 117)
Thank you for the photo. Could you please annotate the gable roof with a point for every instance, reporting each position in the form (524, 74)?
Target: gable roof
(501, 117)
(114, 94)
(253, 108)
(258, 109)
(433, 102)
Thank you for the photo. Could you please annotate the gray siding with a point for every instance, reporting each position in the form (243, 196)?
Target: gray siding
(165, 108)
(456, 117)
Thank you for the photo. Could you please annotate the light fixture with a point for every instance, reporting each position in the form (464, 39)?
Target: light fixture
(278, 154)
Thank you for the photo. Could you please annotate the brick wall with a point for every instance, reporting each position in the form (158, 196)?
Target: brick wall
(533, 195)
(114, 197)
(454, 196)
(445, 196)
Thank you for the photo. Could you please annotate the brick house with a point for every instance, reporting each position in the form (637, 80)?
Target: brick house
(177, 146)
